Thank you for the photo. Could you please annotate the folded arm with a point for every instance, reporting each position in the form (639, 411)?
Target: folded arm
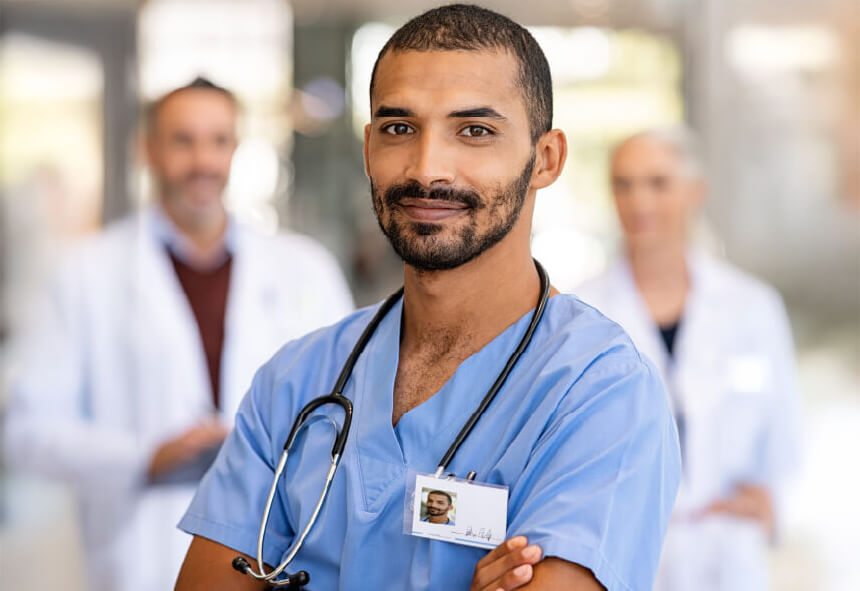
(208, 566)
(514, 564)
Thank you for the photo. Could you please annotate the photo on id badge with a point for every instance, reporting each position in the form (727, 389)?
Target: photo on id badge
(438, 506)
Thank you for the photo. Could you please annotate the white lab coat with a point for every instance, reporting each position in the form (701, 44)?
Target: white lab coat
(734, 376)
(116, 366)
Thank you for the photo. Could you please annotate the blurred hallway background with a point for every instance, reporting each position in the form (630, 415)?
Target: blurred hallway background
(772, 87)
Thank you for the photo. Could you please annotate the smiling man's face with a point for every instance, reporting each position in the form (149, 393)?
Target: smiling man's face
(438, 507)
(190, 146)
(448, 153)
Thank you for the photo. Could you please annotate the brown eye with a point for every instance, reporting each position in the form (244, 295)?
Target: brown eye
(397, 129)
(476, 131)
(181, 139)
(620, 186)
(658, 183)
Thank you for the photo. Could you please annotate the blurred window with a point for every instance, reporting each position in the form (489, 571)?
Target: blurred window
(51, 159)
(50, 113)
(366, 45)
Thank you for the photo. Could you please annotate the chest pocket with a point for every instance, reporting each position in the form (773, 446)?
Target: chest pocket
(742, 413)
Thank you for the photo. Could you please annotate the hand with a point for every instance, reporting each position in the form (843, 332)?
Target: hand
(750, 502)
(508, 566)
(185, 447)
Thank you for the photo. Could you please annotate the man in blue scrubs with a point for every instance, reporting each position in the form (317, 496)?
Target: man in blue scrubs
(459, 142)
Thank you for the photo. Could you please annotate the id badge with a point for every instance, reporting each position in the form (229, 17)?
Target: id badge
(456, 510)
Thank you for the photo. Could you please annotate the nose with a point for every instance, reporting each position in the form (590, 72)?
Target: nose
(206, 156)
(432, 160)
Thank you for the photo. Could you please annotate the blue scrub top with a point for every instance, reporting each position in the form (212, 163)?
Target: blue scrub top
(581, 434)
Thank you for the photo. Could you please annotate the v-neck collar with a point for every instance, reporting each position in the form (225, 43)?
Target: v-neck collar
(422, 435)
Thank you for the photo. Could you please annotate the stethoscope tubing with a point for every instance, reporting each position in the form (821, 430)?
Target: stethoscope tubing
(337, 397)
(365, 337)
(503, 376)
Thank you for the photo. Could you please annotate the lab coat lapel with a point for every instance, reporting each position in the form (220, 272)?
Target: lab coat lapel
(173, 379)
(632, 313)
(700, 345)
(694, 349)
(698, 379)
(252, 308)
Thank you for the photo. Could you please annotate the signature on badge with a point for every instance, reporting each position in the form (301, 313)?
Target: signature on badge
(485, 533)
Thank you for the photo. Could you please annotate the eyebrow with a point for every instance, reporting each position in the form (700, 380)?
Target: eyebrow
(384, 111)
(476, 113)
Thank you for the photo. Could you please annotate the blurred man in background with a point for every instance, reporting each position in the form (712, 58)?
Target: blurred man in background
(150, 335)
(722, 342)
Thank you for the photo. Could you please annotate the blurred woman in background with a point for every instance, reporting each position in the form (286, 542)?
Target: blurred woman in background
(722, 343)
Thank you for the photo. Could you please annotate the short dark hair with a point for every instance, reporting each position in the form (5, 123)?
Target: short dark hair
(441, 492)
(199, 83)
(465, 27)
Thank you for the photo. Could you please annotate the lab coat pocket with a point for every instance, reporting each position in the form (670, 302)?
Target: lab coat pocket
(740, 426)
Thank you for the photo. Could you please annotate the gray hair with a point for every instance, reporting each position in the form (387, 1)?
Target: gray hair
(681, 140)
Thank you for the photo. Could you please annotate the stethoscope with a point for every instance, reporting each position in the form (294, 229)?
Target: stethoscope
(336, 397)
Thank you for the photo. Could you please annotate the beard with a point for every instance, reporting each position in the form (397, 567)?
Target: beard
(420, 245)
(194, 207)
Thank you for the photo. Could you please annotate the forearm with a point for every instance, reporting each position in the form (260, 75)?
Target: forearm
(208, 566)
(515, 565)
(555, 574)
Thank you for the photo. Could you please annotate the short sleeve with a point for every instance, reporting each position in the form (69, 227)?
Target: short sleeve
(599, 487)
(227, 507)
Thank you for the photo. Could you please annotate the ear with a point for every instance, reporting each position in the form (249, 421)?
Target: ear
(550, 155)
(366, 142)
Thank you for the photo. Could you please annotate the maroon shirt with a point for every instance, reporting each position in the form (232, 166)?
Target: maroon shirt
(207, 294)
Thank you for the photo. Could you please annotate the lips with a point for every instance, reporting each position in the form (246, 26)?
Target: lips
(431, 210)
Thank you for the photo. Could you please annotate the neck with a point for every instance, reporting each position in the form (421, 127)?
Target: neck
(471, 304)
(664, 265)
(662, 280)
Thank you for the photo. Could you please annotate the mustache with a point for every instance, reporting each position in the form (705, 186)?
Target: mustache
(203, 175)
(396, 193)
